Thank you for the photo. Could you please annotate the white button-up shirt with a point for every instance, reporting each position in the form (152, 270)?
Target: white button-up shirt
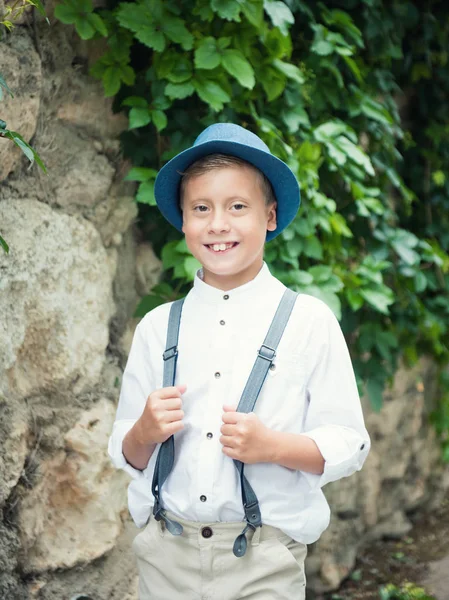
(311, 390)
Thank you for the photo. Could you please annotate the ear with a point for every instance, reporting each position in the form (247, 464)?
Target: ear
(272, 217)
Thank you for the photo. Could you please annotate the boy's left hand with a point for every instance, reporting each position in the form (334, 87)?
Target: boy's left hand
(245, 437)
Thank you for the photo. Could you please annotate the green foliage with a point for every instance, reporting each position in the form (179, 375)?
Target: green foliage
(14, 11)
(80, 13)
(408, 591)
(321, 83)
(18, 140)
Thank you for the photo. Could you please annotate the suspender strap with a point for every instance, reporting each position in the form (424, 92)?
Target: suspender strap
(166, 456)
(263, 362)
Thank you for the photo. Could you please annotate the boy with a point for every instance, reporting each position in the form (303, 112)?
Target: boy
(229, 195)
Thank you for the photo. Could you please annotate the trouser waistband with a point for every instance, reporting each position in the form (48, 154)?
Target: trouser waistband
(225, 531)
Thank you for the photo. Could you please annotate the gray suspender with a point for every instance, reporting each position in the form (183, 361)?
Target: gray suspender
(264, 360)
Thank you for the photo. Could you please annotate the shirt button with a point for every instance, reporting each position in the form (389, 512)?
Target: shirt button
(362, 446)
(273, 367)
(210, 435)
(207, 532)
(203, 498)
(226, 297)
(222, 322)
(217, 375)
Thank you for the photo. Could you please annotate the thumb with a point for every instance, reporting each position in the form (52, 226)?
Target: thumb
(229, 407)
(182, 387)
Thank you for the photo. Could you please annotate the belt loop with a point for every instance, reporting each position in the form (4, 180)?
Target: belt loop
(256, 537)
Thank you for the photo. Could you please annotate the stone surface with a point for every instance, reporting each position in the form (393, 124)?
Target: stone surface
(87, 108)
(14, 448)
(21, 68)
(73, 514)
(396, 478)
(55, 296)
(437, 581)
(81, 177)
(148, 269)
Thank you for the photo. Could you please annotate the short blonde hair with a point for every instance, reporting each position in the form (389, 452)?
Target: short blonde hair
(220, 161)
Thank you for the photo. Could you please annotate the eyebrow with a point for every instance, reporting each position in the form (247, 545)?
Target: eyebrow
(241, 198)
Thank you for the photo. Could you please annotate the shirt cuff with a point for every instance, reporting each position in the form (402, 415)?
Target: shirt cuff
(344, 451)
(115, 450)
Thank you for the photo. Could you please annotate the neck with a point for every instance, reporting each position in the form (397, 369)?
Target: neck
(234, 280)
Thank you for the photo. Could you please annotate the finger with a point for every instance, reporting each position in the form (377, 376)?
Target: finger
(182, 387)
(229, 407)
(174, 415)
(171, 404)
(228, 429)
(228, 440)
(231, 418)
(169, 392)
(230, 452)
(172, 428)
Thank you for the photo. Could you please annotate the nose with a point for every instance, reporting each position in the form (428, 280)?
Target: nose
(218, 221)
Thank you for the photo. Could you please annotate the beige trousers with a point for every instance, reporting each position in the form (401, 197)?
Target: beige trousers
(200, 564)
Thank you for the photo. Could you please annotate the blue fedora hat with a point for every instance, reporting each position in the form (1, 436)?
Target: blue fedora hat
(231, 139)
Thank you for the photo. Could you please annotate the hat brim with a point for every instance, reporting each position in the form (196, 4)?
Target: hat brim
(284, 182)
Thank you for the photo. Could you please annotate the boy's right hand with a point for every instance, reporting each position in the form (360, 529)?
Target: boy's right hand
(162, 415)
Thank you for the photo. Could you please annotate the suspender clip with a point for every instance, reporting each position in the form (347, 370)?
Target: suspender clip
(267, 353)
(170, 353)
(252, 515)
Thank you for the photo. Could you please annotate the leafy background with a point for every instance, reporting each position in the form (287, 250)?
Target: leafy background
(353, 95)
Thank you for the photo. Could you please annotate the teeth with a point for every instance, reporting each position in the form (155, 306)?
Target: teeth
(218, 247)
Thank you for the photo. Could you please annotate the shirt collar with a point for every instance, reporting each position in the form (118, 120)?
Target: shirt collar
(255, 287)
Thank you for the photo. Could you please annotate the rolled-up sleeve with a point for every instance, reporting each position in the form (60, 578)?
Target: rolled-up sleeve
(137, 384)
(334, 418)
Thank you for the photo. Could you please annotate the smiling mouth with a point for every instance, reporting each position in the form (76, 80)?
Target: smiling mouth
(221, 248)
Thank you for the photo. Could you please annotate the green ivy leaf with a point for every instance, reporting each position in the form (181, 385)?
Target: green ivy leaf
(179, 91)
(84, 29)
(378, 299)
(177, 32)
(112, 79)
(181, 70)
(135, 101)
(253, 11)
(295, 117)
(375, 390)
(272, 82)
(67, 13)
(191, 266)
(29, 152)
(141, 174)
(148, 303)
(289, 70)
(139, 20)
(227, 9)
(4, 245)
(159, 119)
(97, 23)
(280, 14)
(236, 65)
(207, 55)
(139, 117)
(145, 195)
(170, 255)
(322, 47)
(211, 93)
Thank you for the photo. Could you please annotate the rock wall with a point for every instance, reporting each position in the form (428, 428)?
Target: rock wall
(68, 289)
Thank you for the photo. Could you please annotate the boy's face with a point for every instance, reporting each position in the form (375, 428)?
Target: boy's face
(227, 206)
